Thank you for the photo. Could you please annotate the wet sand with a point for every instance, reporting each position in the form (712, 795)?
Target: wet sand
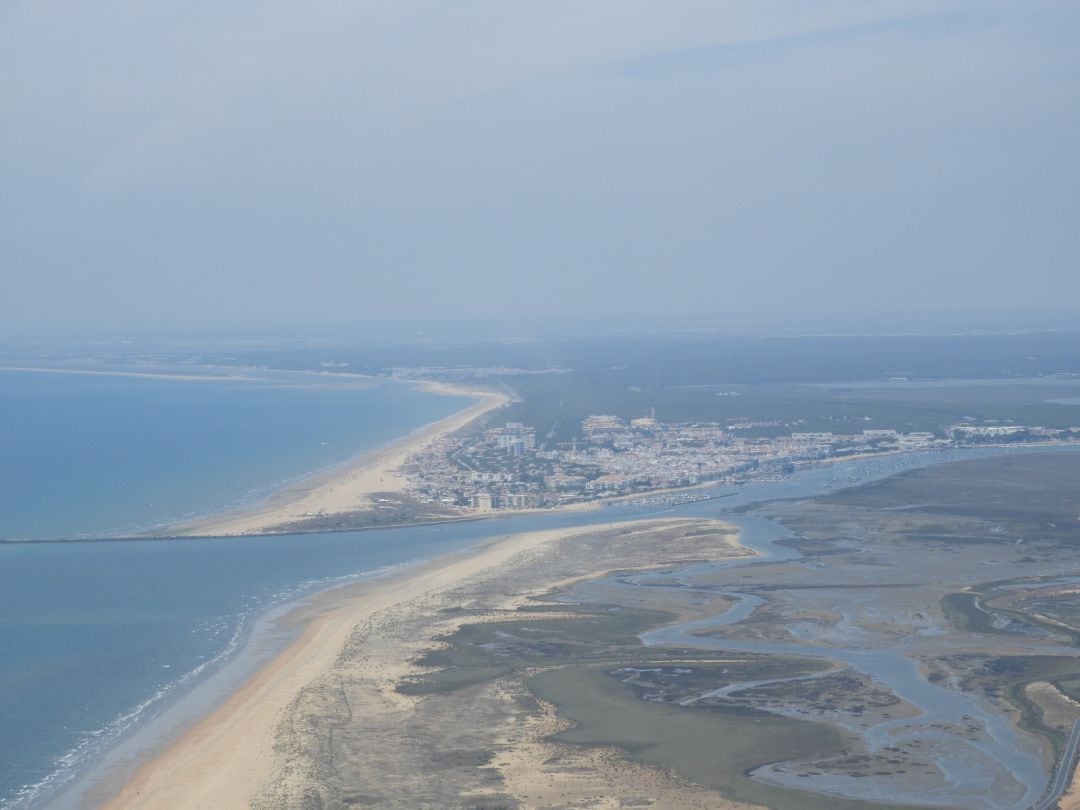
(227, 759)
(862, 575)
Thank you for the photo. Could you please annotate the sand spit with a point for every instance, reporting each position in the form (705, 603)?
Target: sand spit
(347, 487)
(147, 375)
(324, 724)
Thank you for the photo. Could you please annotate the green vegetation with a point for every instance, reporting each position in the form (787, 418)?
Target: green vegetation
(579, 664)
(1012, 674)
(1032, 495)
(837, 384)
(708, 745)
(554, 405)
(963, 610)
(486, 650)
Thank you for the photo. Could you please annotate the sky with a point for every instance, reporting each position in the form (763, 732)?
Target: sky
(202, 163)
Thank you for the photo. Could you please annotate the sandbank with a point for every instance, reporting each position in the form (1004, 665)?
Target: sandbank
(227, 757)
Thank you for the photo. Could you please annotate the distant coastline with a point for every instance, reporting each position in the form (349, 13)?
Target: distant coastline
(146, 375)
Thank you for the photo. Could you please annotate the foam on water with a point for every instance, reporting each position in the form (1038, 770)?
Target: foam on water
(93, 744)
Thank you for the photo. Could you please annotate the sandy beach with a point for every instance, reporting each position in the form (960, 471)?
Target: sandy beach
(256, 750)
(346, 487)
(223, 760)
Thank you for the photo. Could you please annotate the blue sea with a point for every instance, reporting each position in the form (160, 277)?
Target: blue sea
(95, 637)
(106, 643)
(89, 455)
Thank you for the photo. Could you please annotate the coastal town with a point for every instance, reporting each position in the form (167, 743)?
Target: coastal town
(508, 468)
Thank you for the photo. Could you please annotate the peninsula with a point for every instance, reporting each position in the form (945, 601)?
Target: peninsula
(362, 654)
(349, 491)
(845, 651)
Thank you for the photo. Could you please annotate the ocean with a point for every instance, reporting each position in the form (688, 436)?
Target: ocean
(95, 637)
(102, 640)
(87, 455)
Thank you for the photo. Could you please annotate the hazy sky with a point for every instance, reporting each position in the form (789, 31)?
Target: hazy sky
(193, 162)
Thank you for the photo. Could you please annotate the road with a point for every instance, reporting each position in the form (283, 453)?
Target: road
(1063, 773)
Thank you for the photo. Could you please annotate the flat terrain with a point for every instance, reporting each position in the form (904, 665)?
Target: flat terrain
(911, 642)
(501, 695)
(967, 570)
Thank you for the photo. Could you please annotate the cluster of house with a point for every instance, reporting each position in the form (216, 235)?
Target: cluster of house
(504, 468)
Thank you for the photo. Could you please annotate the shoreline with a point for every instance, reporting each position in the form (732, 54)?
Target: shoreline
(222, 758)
(315, 605)
(345, 487)
(270, 631)
(328, 491)
(171, 532)
(167, 534)
(164, 538)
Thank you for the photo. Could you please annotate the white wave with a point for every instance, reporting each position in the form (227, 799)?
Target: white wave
(93, 744)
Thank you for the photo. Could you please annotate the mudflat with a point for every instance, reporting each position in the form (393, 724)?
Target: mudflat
(907, 639)
(358, 712)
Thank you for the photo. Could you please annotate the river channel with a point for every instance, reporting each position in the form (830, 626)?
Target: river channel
(319, 559)
(945, 713)
(982, 760)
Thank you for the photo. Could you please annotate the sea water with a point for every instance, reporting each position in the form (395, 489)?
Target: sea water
(94, 637)
(90, 455)
(100, 638)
